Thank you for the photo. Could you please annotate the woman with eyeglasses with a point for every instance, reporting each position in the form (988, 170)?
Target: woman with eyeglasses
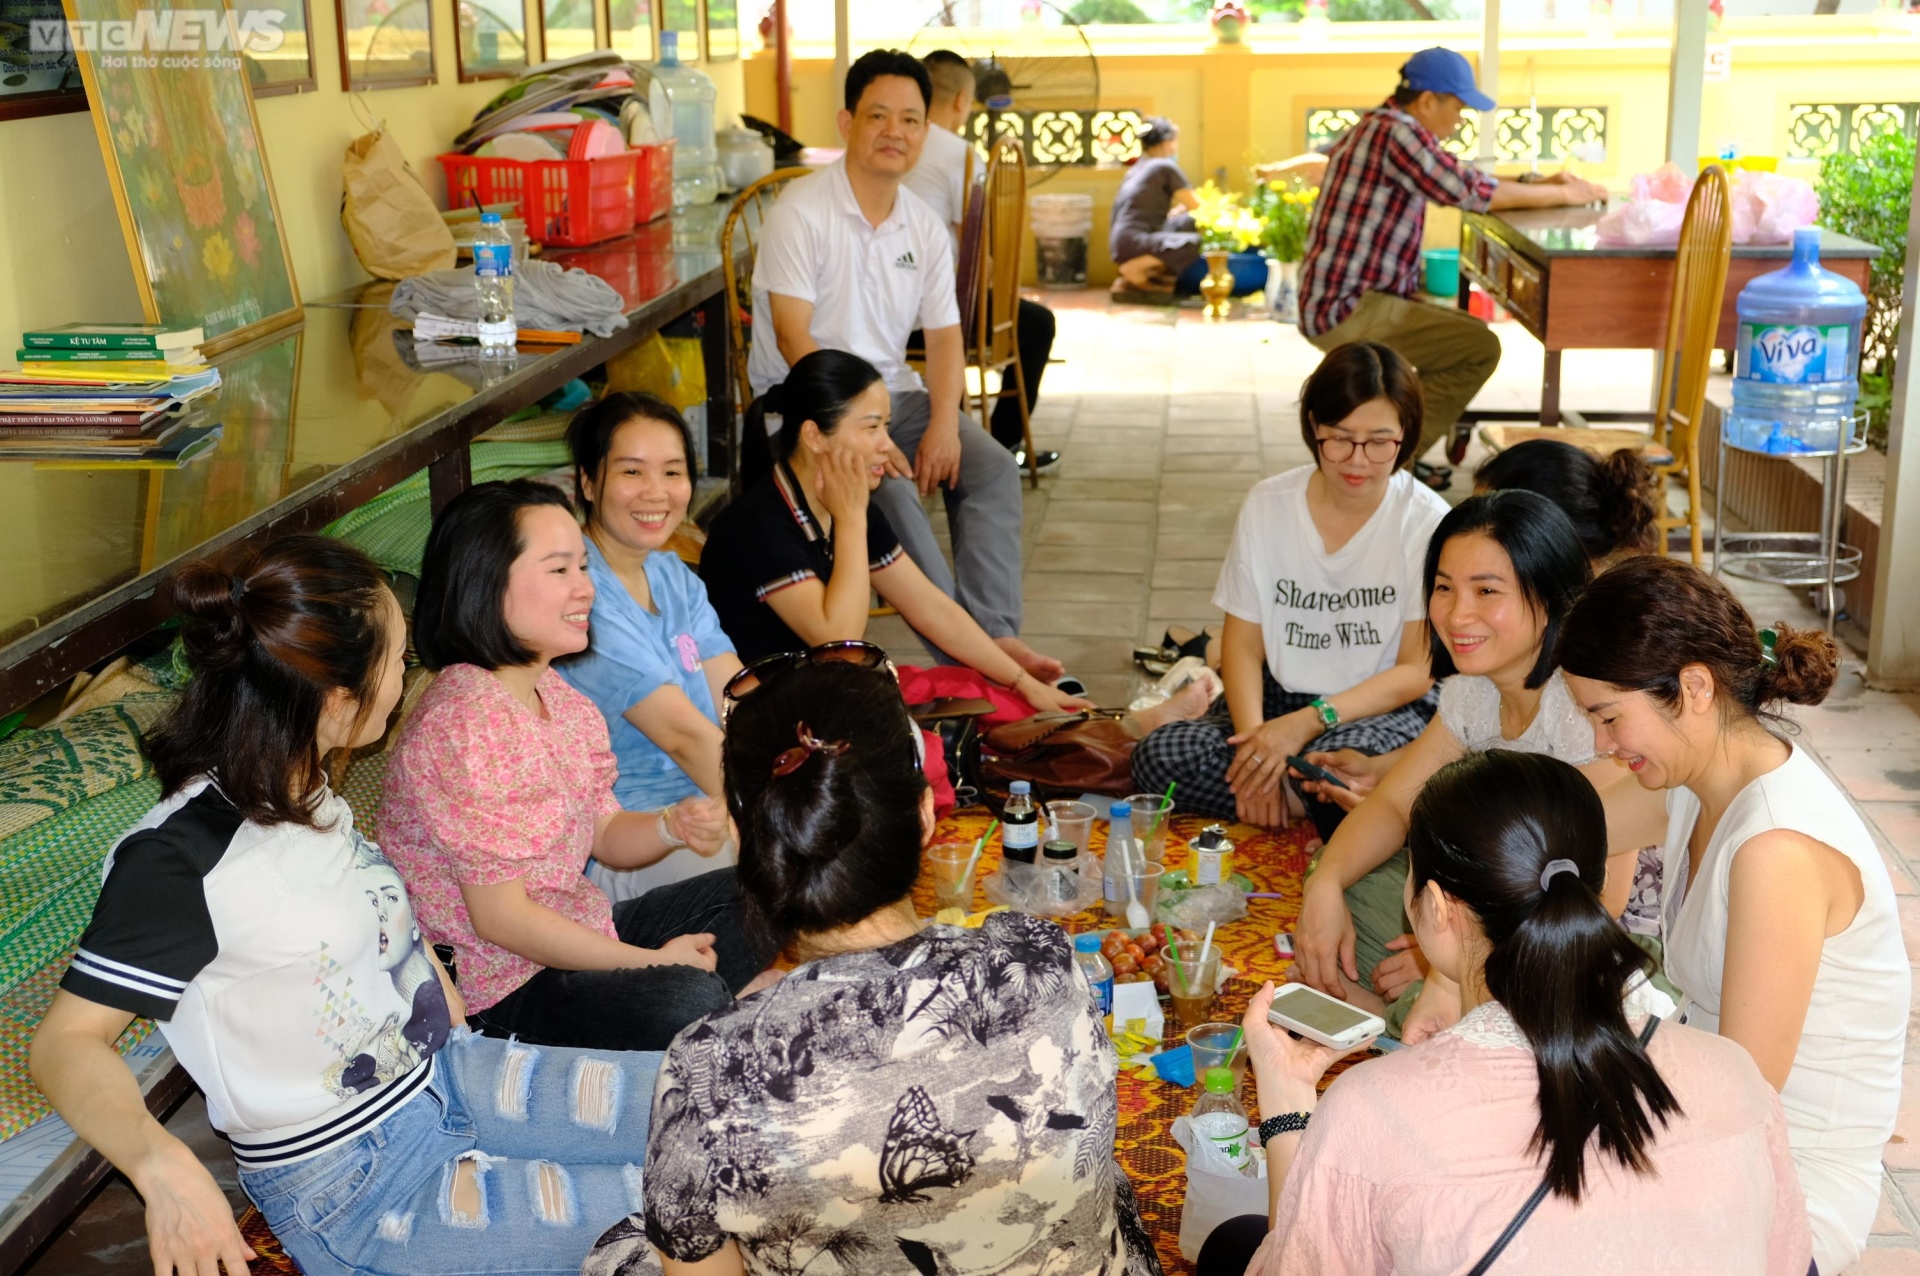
(1325, 641)
(908, 1098)
(500, 792)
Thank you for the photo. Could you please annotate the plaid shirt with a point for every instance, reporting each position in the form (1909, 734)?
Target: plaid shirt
(1372, 211)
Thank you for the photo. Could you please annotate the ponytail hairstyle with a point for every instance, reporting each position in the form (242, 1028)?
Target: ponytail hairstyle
(1642, 622)
(1486, 828)
(829, 830)
(1610, 502)
(267, 642)
(590, 436)
(817, 389)
(1549, 565)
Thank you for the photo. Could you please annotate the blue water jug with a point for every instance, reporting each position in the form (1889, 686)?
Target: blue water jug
(1796, 356)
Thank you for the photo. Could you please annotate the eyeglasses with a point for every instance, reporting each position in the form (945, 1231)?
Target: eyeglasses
(1340, 451)
(769, 668)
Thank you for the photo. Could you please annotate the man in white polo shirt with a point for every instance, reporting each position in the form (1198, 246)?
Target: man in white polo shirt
(850, 261)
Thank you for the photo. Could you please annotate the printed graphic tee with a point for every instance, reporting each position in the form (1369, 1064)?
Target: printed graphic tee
(282, 962)
(944, 1104)
(1329, 621)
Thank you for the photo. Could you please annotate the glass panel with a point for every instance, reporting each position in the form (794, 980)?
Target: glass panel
(723, 30)
(630, 26)
(566, 29)
(493, 38)
(683, 18)
(35, 67)
(385, 43)
(290, 65)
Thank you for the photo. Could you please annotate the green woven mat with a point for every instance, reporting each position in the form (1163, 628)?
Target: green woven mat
(392, 528)
(362, 786)
(47, 771)
(21, 1009)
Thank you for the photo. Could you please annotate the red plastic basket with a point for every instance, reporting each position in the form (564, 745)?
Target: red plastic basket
(567, 203)
(654, 197)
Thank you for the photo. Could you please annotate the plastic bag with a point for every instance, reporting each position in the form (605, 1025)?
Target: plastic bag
(1193, 909)
(1216, 1191)
(672, 367)
(389, 218)
(1768, 208)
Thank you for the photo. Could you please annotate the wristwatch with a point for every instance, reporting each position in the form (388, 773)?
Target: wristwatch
(1329, 716)
(1286, 1123)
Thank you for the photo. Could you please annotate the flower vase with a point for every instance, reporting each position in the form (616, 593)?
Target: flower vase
(1217, 287)
(1283, 291)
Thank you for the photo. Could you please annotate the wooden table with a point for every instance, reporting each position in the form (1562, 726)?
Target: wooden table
(1547, 267)
(318, 420)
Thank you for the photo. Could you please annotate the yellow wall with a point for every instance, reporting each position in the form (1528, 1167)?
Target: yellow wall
(1237, 105)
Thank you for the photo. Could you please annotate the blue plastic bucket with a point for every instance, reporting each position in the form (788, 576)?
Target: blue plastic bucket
(1441, 271)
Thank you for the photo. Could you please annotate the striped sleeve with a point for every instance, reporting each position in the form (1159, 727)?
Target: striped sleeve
(151, 932)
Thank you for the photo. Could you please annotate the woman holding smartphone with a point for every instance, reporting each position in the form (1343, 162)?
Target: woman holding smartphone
(1777, 912)
(1418, 1162)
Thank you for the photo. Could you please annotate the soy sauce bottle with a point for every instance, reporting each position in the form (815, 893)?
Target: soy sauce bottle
(1020, 825)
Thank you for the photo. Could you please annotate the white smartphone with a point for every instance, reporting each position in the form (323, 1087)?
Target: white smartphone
(1317, 1017)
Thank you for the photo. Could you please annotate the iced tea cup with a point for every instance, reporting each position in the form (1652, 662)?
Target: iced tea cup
(1217, 1045)
(1070, 822)
(1147, 808)
(1191, 978)
(946, 866)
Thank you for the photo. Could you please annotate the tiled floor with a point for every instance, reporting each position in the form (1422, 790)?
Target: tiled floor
(1165, 422)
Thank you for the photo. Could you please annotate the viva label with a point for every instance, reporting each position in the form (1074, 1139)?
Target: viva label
(1794, 354)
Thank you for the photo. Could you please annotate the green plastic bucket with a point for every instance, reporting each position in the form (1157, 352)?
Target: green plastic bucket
(1442, 271)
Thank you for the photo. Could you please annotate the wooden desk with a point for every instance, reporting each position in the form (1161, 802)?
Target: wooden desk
(318, 419)
(1547, 267)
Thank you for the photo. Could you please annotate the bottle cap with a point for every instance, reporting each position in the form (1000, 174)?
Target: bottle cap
(1219, 1080)
(1121, 810)
(490, 219)
(1086, 943)
(1059, 849)
(1019, 786)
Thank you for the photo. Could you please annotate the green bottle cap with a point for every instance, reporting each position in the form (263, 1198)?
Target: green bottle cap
(1219, 1080)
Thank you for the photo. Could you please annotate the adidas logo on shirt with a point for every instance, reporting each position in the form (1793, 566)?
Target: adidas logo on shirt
(905, 261)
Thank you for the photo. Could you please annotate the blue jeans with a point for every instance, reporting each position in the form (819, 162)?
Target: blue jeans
(514, 1160)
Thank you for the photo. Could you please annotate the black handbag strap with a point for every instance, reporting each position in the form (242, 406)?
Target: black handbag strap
(1539, 1193)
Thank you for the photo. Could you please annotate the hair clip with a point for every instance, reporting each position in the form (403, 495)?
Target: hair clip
(237, 589)
(1767, 640)
(793, 759)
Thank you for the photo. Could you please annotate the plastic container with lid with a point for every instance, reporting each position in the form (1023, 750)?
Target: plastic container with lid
(1796, 357)
(745, 157)
(684, 97)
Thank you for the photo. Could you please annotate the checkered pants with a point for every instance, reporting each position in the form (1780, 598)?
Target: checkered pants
(1196, 753)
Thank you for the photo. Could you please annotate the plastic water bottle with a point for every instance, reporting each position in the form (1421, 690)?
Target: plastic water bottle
(1099, 972)
(1796, 353)
(493, 282)
(1124, 856)
(681, 103)
(1219, 1117)
(1020, 825)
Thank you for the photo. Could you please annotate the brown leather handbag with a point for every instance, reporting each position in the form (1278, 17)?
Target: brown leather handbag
(1061, 754)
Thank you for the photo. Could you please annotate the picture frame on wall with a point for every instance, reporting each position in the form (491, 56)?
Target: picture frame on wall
(630, 29)
(720, 20)
(190, 182)
(385, 44)
(32, 82)
(490, 39)
(288, 68)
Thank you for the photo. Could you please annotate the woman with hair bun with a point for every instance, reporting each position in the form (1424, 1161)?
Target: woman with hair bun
(907, 1098)
(277, 948)
(1603, 1140)
(1610, 501)
(1151, 233)
(1777, 913)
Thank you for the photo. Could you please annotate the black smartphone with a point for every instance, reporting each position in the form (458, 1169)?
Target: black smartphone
(1313, 772)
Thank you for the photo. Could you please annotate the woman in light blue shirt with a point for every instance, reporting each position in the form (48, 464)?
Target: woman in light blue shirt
(658, 657)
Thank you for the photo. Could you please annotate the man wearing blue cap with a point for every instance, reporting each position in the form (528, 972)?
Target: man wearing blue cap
(1363, 253)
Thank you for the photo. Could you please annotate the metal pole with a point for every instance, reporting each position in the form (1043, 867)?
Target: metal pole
(842, 48)
(782, 67)
(1490, 82)
(1686, 74)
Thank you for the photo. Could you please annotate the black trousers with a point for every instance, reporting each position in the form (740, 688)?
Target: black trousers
(644, 1007)
(1035, 347)
(1229, 1248)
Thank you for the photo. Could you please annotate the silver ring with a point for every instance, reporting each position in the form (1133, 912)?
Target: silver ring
(1258, 760)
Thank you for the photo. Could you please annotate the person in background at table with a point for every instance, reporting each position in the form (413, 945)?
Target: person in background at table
(1611, 501)
(1664, 1152)
(1502, 571)
(1151, 234)
(276, 948)
(939, 178)
(790, 562)
(1778, 915)
(658, 657)
(1326, 636)
(910, 1098)
(500, 790)
(850, 261)
(1362, 268)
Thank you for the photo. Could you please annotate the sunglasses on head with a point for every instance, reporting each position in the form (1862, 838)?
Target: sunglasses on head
(768, 669)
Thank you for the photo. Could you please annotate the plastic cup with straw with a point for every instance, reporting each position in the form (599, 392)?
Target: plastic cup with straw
(973, 861)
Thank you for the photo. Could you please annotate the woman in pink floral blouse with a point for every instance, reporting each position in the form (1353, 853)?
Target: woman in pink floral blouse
(501, 788)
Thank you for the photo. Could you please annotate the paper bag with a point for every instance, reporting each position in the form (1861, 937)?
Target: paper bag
(390, 219)
(1216, 1191)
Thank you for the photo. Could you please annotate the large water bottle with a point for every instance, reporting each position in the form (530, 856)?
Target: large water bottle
(493, 283)
(685, 97)
(1796, 355)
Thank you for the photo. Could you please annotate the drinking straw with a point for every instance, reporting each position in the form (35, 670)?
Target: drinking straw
(1206, 945)
(966, 874)
(1166, 804)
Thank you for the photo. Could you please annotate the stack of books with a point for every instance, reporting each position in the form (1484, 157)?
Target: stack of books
(110, 394)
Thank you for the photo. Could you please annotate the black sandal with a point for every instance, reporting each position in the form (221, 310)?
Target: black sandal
(1437, 477)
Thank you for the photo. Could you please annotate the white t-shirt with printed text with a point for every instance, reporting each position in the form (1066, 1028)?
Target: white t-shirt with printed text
(870, 286)
(1329, 621)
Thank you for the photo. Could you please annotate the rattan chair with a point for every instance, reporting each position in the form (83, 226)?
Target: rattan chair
(996, 341)
(743, 224)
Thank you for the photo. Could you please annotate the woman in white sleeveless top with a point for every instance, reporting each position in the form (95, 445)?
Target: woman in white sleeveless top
(1778, 914)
